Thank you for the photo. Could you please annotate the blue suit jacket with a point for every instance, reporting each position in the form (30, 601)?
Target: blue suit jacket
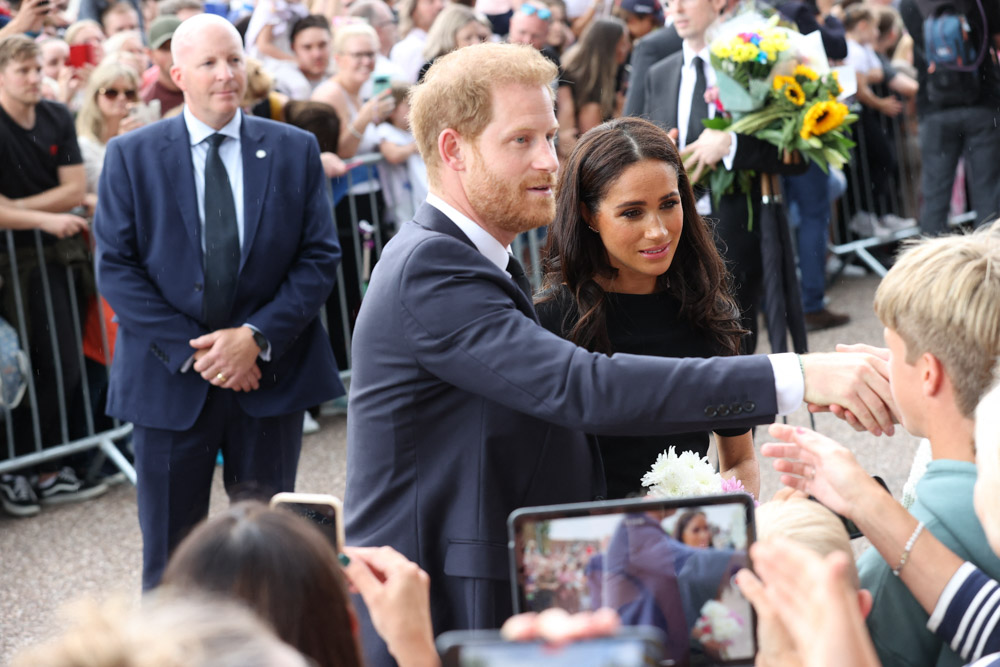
(149, 268)
(463, 409)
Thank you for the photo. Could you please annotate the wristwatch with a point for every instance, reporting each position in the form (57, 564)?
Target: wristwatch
(259, 338)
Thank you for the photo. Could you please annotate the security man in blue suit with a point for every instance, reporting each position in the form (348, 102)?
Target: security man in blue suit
(216, 250)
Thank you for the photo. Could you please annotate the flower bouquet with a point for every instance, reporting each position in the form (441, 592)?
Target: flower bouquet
(717, 625)
(686, 474)
(775, 84)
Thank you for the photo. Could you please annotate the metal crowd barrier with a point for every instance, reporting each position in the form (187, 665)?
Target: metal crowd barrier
(901, 199)
(31, 438)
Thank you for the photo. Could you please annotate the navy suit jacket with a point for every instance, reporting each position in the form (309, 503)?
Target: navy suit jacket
(464, 408)
(149, 268)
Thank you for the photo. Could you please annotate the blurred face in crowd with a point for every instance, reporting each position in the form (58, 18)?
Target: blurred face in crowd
(425, 12)
(697, 533)
(385, 25)
(120, 21)
(640, 221)
(356, 62)
(115, 99)
(56, 18)
(162, 58)
(639, 25)
(133, 54)
(692, 18)
(91, 34)
(54, 54)
(528, 28)
(471, 33)
(865, 32)
(511, 167)
(312, 51)
(210, 68)
(21, 83)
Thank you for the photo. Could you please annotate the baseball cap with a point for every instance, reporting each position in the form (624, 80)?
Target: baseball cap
(162, 29)
(643, 8)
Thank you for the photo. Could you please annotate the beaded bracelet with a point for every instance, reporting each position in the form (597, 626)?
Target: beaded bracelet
(358, 135)
(906, 550)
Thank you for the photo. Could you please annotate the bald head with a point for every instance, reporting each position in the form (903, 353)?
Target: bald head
(194, 30)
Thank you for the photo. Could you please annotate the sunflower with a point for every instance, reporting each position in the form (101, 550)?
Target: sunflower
(782, 81)
(836, 80)
(794, 93)
(806, 72)
(821, 118)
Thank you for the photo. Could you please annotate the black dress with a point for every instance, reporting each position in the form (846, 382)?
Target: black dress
(645, 324)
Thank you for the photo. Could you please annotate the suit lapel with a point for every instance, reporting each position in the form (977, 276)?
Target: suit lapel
(431, 218)
(180, 172)
(257, 161)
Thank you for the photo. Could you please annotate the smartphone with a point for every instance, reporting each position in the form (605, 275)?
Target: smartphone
(380, 84)
(325, 511)
(629, 647)
(852, 528)
(145, 113)
(80, 55)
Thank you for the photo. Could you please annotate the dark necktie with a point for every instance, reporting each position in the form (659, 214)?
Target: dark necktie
(516, 272)
(699, 107)
(222, 240)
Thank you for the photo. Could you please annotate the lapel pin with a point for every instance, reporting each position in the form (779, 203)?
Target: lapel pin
(262, 153)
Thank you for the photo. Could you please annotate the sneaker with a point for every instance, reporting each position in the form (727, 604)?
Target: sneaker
(66, 487)
(309, 425)
(825, 319)
(896, 223)
(17, 496)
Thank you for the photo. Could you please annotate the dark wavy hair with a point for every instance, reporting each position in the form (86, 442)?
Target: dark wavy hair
(575, 255)
(683, 521)
(281, 567)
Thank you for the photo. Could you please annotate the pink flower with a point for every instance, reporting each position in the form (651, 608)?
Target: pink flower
(712, 97)
(735, 485)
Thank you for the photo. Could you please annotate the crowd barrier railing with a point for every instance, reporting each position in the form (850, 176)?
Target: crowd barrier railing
(901, 198)
(51, 407)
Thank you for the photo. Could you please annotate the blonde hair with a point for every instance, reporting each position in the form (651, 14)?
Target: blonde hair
(405, 9)
(808, 523)
(354, 29)
(259, 82)
(941, 297)
(457, 92)
(74, 30)
(167, 631)
(89, 120)
(17, 48)
(441, 36)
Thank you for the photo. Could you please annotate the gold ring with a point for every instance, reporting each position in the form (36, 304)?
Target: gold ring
(220, 376)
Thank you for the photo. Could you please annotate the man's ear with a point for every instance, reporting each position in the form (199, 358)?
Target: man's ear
(932, 374)
(865, 602)
(175, 76)
(453, 150)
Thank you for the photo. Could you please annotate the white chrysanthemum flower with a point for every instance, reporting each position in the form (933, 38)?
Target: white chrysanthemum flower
(683, 475)
(718, 622)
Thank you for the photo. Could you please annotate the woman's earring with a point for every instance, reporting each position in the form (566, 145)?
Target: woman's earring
(592, 229)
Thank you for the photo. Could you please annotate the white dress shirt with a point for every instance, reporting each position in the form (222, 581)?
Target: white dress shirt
(789, 383)
(232, 157)
(689, 77)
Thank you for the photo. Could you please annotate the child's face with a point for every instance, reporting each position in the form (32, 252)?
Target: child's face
(400, 116)
(905, 383)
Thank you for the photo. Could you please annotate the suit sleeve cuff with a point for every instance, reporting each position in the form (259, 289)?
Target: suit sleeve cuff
(265, 352)
(789, 384)
(727, 161)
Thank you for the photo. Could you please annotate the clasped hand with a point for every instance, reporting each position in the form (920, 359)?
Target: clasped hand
(227, 358)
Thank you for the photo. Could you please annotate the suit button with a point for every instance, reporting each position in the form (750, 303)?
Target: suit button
(736, 408)
(723, 410)
(710, 411)
(197, 287)
(749, 406)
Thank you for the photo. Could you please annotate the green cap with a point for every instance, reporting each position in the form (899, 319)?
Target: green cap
(161, 30)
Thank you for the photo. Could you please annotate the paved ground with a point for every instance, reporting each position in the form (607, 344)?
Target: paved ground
(94, 548)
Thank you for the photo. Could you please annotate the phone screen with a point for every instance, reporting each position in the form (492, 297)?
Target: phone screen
(322, 515)
(623, 651)
(380, 84)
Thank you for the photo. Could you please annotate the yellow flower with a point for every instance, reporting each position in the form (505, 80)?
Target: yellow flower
(795, 94)
(722, 51)
(821, 118)
(807, 72)
(782, 81)
(836, 80)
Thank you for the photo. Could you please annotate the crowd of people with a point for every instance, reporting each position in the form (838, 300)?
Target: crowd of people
(185, 182)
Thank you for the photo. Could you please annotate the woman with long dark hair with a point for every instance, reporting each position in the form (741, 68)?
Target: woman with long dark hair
(631, 267)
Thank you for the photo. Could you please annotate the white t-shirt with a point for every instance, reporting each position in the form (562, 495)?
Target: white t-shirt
(408, 54)
(404, 186)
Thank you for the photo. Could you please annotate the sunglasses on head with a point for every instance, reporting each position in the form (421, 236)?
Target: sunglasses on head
(112, 93)
(543, 13)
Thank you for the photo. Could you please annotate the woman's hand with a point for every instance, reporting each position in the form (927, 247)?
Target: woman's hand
(397, 595)
(378, 108)
(819, 466)
(333, 166)
(129, 123)
(557, 626)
